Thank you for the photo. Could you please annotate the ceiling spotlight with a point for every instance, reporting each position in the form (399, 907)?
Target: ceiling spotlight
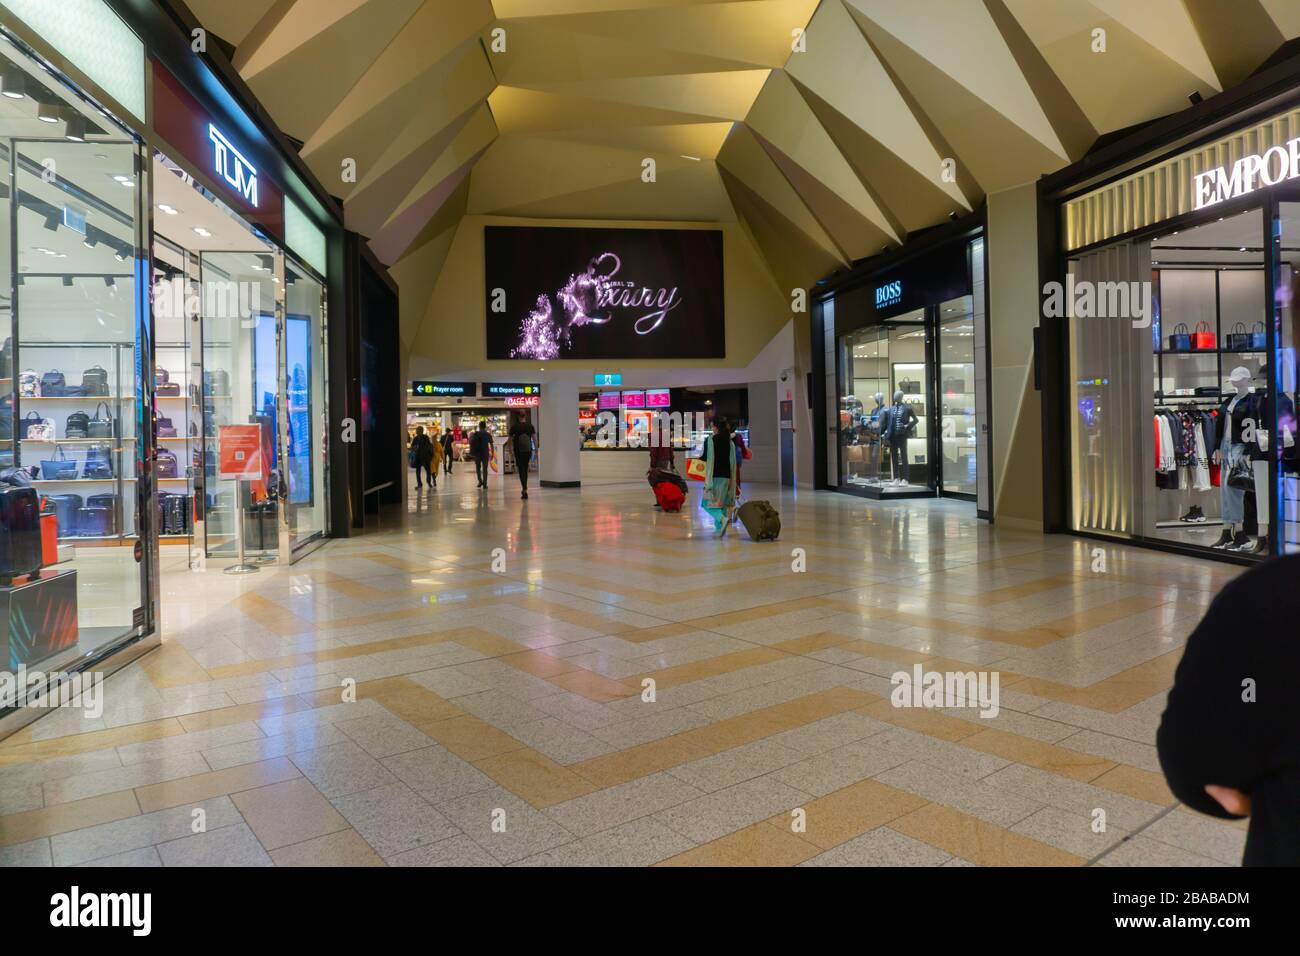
(48, 112)
(170, 210)
(13, 84)
(1194, 97)
(75, 129)
(202, 232)
(119, 257)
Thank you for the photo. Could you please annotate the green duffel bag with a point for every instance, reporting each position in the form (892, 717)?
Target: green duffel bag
(761, 520)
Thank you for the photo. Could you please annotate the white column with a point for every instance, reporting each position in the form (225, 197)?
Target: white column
(561, 465)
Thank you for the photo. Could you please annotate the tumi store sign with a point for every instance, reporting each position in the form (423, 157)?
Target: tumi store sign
(213, 146)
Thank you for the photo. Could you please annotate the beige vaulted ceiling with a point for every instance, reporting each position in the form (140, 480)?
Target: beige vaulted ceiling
(828, 130)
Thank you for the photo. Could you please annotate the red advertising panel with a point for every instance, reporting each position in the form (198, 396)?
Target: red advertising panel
(239, 452)
(634, 399)
(608, 400)
(658, 398)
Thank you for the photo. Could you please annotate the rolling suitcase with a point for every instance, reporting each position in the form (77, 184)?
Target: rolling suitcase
(669, 496)
(762, 522)
(20, 532)
(657, 475)
(65, 509)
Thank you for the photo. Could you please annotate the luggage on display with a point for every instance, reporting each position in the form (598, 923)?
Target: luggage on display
(168, 390)
(216, 382)
(1203, 338)
(669, 496)
(762, 522)
(909, 387)
(94, 522)
(168, 466)
(106, 503)
(100, 426)
(1180, 340)
(161, 376)
(176, 511)
(77, 426)
(165, 427)
(20, 532)
(49, 539)
(36, 428)
(29, 384)
(60, 467)
(65, 509)
(94, 382)
(17, 477)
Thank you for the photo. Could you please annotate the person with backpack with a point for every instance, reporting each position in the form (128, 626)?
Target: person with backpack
(420, 456)
(523, 438)
(720, 476)
(480, 449)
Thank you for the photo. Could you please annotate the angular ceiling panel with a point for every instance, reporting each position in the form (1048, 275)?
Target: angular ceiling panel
(824, 151)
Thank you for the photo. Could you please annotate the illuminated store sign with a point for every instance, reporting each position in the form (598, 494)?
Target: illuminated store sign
(523, 401)
(231, 166)
(609, 378)
(1248, 174)
(889, 294)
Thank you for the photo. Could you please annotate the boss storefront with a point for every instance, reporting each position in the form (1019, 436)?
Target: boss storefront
(1171, 267)
(169, 267)
(899, 344)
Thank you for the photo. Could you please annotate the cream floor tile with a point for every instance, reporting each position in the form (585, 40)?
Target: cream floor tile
(344, 848)
(283, 814)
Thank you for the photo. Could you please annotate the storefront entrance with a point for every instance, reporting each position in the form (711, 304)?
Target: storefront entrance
(240, 340)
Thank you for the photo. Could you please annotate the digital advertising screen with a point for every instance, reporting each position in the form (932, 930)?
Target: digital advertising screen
(589, 293)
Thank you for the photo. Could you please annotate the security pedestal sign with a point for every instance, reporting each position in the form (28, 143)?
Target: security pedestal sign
(239, 456)
(239, 452)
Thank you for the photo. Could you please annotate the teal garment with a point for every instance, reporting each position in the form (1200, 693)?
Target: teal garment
(719, 493)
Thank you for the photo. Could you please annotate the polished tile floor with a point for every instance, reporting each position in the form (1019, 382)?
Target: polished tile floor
(580, 679)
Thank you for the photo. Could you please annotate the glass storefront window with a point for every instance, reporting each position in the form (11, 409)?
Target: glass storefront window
(1171, 417)
(304, 370)
(1286, 448)
(72, 587)
(957, 431)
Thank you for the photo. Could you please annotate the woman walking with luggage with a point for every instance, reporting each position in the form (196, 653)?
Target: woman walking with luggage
(720, 476)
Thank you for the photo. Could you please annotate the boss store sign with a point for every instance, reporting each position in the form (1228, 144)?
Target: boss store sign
(219, 148)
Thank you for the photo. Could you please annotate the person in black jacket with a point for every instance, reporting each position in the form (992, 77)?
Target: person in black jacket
(480, 449)
(421, 455)
(446, 450)
(1229, 741)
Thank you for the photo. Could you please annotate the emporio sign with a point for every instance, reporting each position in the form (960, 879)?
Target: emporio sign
(1248, 174)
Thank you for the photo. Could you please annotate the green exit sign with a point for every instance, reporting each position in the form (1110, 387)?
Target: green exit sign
(609, 378)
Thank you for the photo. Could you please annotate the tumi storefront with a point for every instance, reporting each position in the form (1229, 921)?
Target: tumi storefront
(168, 271)
(899, 346)
(1170, 274)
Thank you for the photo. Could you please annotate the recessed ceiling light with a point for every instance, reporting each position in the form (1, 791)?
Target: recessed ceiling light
(202, 232)
(75, 129)
(47, 112)
(170, 210)
(694, 159)
(13, 84)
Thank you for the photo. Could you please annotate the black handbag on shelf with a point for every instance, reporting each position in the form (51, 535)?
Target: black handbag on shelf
(60, 467)
(100, 426)
(1181, 338)
(1238, 339)
(77, 426)
(99, 462)
(53, 384)
(94, 382)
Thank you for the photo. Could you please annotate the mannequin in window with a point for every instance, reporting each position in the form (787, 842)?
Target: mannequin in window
(1238, 419)
(902, 423)
(876, 420)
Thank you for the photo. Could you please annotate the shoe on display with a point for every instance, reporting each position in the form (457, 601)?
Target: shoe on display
(1251, 545)
(1239, 541)
(1224, 541)
(1194, 515)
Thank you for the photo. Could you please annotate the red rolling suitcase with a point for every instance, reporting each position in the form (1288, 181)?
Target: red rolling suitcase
(669, 496)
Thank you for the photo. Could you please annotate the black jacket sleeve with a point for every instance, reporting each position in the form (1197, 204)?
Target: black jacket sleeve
(1210, 734)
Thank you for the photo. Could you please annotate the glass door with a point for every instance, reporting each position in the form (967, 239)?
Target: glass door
(240, 385)
(958, 435)
(304, 415)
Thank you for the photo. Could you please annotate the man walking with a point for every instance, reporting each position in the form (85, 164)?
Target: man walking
(446, 442)
(421, 455)
(480, 449)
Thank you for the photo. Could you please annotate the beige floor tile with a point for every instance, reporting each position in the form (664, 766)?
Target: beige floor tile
(535, 778)
(342, 848)
(29, 825)
(175, 793)
(981, 843)
(759, 844)
(286, 813)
